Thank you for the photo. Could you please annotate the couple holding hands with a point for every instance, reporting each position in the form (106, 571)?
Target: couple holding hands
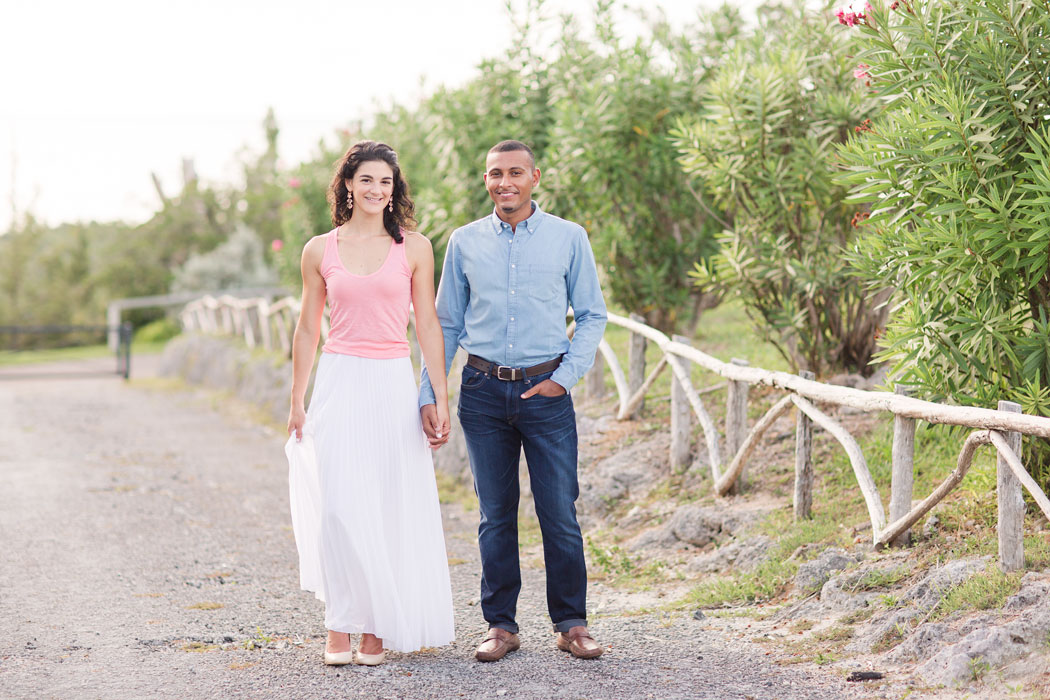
(363, 495)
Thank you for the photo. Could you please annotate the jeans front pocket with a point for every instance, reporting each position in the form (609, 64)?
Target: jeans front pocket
(472, 378)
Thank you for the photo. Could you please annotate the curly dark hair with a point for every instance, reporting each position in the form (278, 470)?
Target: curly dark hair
(364, 152)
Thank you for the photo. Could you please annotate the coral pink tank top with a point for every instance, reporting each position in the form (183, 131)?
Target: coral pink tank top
(369, 313)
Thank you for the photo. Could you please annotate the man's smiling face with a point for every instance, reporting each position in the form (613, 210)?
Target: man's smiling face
(509, 178)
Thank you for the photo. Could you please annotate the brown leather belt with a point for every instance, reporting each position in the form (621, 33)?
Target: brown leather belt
(512, 374)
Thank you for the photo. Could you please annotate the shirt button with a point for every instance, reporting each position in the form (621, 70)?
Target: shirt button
(510, 345)
(513, 265)
(511, 318)
(512, 291)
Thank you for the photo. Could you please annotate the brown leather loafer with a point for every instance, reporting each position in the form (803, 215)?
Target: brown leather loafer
(578, 642)
(498, 642)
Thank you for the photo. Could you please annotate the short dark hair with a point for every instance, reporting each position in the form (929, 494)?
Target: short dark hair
(364, 152)
(512, 145)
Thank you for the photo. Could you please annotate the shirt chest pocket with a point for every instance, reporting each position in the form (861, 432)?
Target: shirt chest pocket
(546, 282)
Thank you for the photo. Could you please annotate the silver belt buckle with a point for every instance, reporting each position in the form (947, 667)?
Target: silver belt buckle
(510, 373)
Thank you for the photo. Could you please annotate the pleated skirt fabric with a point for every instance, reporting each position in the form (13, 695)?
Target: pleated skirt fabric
(365, 506)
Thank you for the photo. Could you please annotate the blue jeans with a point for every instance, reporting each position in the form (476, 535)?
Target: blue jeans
(497, 424)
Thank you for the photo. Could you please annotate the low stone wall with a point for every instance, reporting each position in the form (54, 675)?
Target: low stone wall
(264, 380)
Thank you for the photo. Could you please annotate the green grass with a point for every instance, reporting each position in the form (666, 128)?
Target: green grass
(10, 358)
(764, 583)
(724, 333)
(881, 578)
(967, 516)
(983, 591)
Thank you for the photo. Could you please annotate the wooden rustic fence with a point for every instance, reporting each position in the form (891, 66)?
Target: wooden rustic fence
(271, 326)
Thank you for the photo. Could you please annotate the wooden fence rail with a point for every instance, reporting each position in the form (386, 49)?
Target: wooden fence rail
(260, 323)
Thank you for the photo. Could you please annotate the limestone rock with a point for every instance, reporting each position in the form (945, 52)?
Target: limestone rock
(988, 647)
(625, 473)
(914, 603)
(1035, 588)
(839, 594)
(928, 592)
(744, 555)
(659, 537)
(923, 643)
(812, 574)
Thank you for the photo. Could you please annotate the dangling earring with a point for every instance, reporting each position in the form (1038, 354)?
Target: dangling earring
(349, 200)
(391, 203)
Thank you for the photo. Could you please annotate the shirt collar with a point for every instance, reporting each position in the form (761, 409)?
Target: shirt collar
(531, 223)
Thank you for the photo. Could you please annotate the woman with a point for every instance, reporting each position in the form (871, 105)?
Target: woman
(364, 500)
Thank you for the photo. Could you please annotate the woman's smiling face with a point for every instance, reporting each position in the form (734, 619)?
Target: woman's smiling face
(372, 186)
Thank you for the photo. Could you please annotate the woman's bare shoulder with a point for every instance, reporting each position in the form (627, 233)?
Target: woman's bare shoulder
(415, 241)
(315, 245)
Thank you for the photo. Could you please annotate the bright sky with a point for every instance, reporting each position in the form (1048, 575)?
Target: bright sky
(94, 96)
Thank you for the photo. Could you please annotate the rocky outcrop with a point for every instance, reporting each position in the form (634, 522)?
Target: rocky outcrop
(263, 380)
(986, 645)
(695, 525)
(813, 574)
(743, 555)
(914, 603)
(627, 473)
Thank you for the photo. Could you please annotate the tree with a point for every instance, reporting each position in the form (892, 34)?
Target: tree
(613, 166)
(765, 148)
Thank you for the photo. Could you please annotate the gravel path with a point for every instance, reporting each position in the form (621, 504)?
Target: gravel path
(147, 552)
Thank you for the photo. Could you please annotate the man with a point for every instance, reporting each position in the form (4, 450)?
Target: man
(507, 282)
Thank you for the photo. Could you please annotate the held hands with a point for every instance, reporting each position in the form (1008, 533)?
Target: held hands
(548, 387)
(296, 418)
(436, 424)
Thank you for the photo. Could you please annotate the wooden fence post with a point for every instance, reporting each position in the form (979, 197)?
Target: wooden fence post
(736, 423)
(1011, 502)
(903, 476)
(636, 363)
(594, 380)
(681, 422)
(803, 502)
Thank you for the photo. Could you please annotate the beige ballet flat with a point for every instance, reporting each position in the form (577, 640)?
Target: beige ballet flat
(370, 659)
(339, 658)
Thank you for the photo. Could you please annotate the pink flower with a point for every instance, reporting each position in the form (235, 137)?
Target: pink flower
(294, 182)
(861, 72)
(848, 18)
(276, 245)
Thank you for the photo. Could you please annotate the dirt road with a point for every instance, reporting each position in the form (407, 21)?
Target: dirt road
(147, 553)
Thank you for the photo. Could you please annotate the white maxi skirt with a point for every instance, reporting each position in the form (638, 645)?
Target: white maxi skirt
(365, 506)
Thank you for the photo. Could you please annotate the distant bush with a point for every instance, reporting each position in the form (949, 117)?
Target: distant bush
(238, 262)
(158, 331)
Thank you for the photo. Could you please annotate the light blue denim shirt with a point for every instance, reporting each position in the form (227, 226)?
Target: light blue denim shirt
(504, 296)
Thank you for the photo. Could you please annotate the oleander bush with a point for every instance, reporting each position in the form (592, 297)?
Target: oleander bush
(765, 147)
(956, 171)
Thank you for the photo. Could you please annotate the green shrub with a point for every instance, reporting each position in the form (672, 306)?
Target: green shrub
(766, 149)
(956, 171)
(157, 331)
